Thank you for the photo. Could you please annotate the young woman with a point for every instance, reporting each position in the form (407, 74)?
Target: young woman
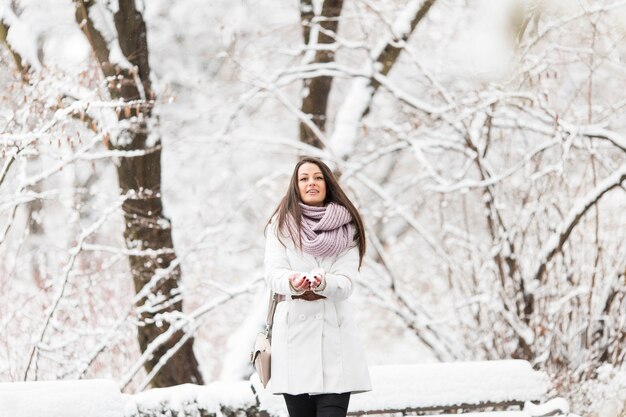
(314, 250)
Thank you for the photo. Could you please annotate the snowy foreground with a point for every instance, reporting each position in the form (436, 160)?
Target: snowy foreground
(420, 387)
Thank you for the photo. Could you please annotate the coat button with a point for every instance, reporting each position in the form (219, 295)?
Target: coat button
(318, 316)
(302, 317)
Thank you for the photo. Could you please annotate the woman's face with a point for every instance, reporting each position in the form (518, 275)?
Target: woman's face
(311, 184)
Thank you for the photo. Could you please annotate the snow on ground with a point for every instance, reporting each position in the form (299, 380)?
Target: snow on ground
(213, 398)
(396, 387)
(413, 386)
(93, 398)
(426, 385)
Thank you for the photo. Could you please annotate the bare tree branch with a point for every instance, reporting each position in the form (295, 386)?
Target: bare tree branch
(555, 243)
(357, 103)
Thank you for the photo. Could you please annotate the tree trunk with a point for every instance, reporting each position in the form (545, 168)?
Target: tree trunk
(146, 227)
(316, 90)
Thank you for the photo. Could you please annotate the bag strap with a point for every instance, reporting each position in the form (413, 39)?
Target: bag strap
(270, 312)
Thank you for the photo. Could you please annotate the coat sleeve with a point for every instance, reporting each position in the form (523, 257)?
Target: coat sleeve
(340, 278)
(277, 268)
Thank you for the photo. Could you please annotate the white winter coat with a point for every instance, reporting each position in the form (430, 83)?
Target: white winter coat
(315, 346)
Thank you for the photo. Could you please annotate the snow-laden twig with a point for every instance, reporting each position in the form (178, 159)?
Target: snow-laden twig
(47, 173)
(517, 325)
(340, 42)
(555, 243)
(283, 78)
(494, 179)
(548, 126)
(314, 27)
(383, 262)
(302, 117)
(414, 102)
(288, 143)
(426, 165)
(603, 302)
(74, 252)
(219, 225)
(29, 196)
(299, 50)
(447, 95)
(358, 165)
(415, 310)
(318, 69)
(127, 252)
(188, 323)
(600, 133)
(402, 212)
(244, 100)
(379, 14)
(569, 19)
(142, 91)
(30, 182)
(82, 366)
(558, 305)
(7, 164)
(24, 139)
(156, 343)
(160, 274)
(423, 331)
(189, 333)
(418, 312)
(155, 305)
(360, 95)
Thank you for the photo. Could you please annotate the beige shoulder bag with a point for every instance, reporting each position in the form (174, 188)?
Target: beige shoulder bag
(261, 354)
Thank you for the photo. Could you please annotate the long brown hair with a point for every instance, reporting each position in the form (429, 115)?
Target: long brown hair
(334, 194)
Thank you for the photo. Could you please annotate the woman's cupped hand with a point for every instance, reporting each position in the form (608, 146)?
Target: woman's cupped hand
(307, 281)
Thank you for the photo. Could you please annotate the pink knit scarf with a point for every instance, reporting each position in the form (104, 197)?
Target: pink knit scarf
(326, 231)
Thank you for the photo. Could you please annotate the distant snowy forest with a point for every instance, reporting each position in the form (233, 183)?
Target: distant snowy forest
(144, 145)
